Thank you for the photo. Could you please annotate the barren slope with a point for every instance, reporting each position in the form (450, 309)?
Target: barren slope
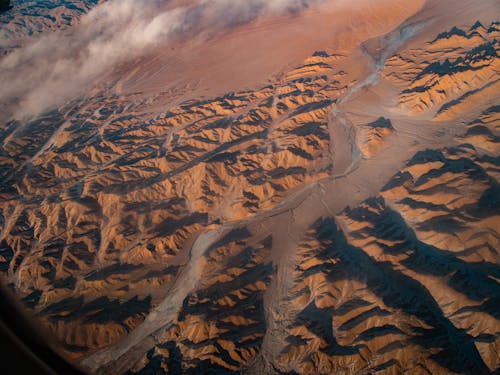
(327, 205)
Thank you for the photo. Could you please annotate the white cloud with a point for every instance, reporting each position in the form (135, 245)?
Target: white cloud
(62, 65)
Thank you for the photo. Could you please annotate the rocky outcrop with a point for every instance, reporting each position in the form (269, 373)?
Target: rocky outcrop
(341, 217)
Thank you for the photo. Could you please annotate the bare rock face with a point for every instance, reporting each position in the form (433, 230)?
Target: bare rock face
(464, 68)
(28, 18)
(371, 136)
(311, 192)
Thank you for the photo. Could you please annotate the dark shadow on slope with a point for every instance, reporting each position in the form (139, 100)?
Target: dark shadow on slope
(319, 322)
(471, 279)
(101, 310)
(398, 291)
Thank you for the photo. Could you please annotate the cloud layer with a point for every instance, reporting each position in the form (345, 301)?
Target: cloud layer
(62, 65)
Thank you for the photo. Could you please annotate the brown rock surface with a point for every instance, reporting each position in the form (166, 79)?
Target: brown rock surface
(312, 192)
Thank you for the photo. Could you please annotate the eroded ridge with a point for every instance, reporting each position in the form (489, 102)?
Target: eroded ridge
(342, 218)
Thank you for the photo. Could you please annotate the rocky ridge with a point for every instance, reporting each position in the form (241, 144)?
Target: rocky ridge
(243, 232)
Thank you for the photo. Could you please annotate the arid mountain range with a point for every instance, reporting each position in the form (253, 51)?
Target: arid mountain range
(282, 187)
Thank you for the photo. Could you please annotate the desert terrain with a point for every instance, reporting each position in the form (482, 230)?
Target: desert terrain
(296, 187)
